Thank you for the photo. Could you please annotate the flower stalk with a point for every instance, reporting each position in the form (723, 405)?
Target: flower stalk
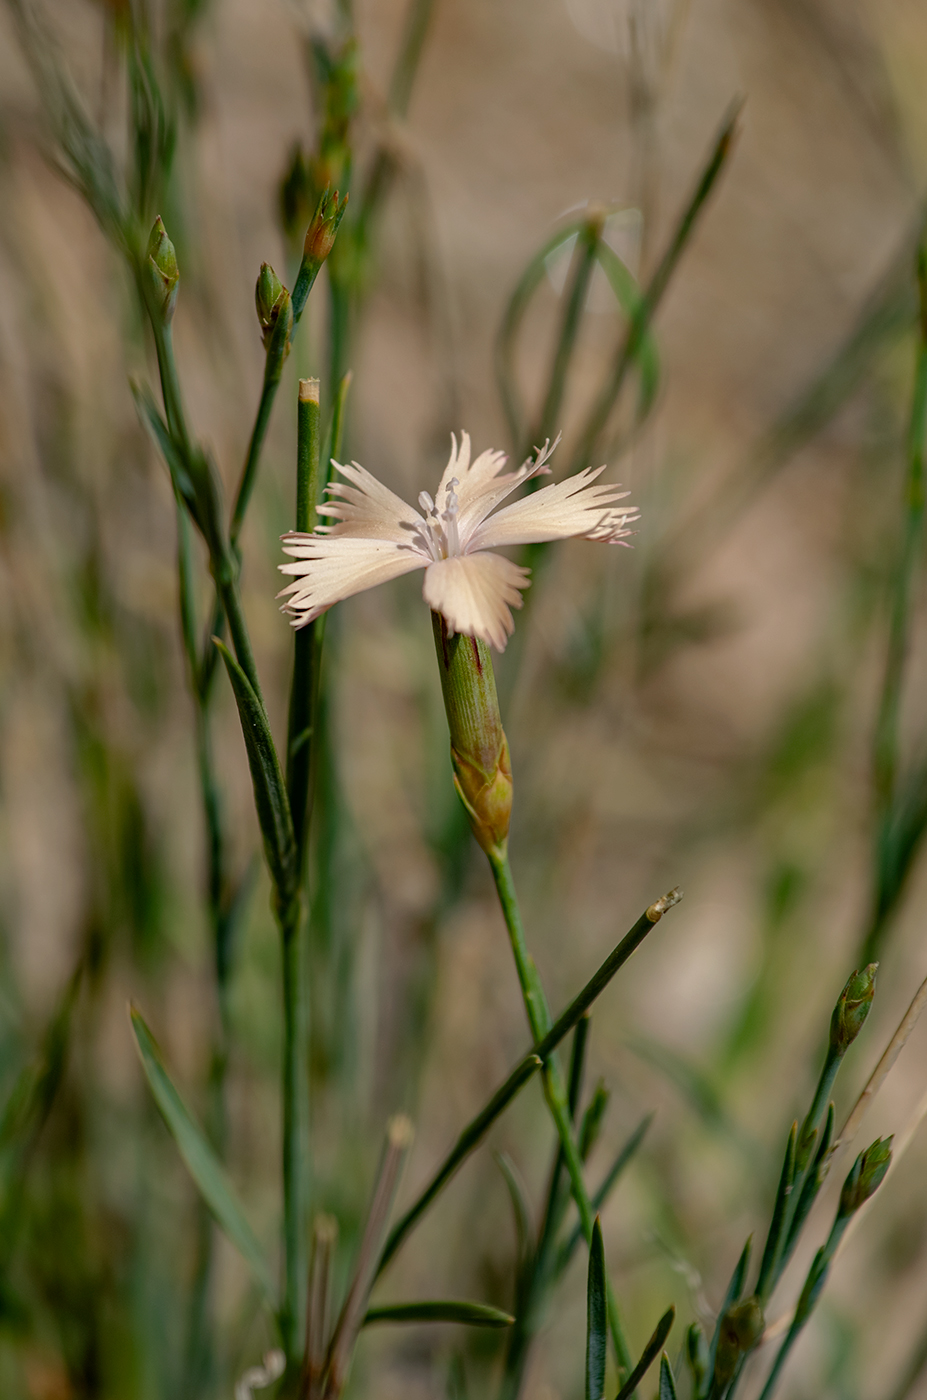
(483, 780)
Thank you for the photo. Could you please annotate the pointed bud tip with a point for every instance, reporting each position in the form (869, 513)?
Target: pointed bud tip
(852, 1008)
(162, 271)
(866, 1175)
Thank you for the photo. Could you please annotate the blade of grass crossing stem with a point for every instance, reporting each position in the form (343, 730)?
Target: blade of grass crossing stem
(200, 1160)
(596, 1317)
(441, 1310)
(277, 351)
(520, 1210)
(667, 1384)
(473, 1134)
(650, 301)
(890, 870)
(777, 1223)
(398, 1142)
(270, 799)
(648, 1355)
(303, 691)
(537, 1012)
(519, 301)
(583, 264)
(601, 1195)
(628, 295)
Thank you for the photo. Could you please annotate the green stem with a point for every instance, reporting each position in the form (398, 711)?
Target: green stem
(539, 1019)
(473, 1134)
(584, 261)
(294, 1135)
(306, 657)
(886, 741)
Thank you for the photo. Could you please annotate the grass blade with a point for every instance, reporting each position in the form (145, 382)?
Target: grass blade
(476, 1129)
(650, 301)
(627, 1152)
(199, 1157)
(648, 1355)
(596, 1317)
(270, 797)
(441, 1310)
(667, 1384)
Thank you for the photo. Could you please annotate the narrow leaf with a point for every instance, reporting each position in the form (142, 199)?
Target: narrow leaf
(523, 1231)
(441, 1310)
(473, 1133)
(270, 797)
(667, 1384)
(199, 1157)
(627, 1152)
(648, 1355)
(596, 1317)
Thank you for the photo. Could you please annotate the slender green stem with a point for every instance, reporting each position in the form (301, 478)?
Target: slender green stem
(650, 301)
(473, 1134)
(294, 1135)
(584, 261)
(886, 741)
(539, 1019)
(304, 688)
(269, 389)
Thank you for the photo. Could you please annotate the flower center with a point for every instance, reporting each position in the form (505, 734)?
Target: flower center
(441, 535)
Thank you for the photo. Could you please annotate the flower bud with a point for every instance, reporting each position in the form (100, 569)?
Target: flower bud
(162, 272)
(742, 1326)
(321, 233)
(271, 299)
(865, 1176)
(479, 748)
(852, 1009)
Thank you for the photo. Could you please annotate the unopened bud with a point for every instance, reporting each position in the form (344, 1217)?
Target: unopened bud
(321, 233)
(742, 1326)
(272, 300)
(865, 1176)
(479, 748)
(162, 271)
(852, 1009)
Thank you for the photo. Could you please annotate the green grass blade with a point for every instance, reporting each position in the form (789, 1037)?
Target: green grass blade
(667, 1384)
(520, 1209)
(628, 295)
(596, 1317)
(476, 1129)
(519, 301)
(626, 1154)
(643, 316)
(441, 1310)
(270, 799)
(648, 1355)
(774, 1238)
(200, 1159)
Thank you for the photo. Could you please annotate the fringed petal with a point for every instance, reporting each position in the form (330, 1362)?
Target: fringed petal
(474, 593)
(574, 507)
(362, 507)
(329, 568)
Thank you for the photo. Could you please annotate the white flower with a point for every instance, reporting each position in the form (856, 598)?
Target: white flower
(376, 537)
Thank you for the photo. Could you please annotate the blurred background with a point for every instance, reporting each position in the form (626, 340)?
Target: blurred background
(700, 710)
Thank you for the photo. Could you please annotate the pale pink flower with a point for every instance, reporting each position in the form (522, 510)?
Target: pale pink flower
(377, 536)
